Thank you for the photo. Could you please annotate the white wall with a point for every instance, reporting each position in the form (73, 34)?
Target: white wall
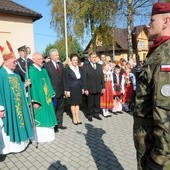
(18, 31)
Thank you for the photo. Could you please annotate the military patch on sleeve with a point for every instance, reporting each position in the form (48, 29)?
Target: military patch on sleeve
(165, 90)
(165, 68)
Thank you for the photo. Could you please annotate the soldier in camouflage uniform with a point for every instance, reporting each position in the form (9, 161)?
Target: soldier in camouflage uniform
(152, 109)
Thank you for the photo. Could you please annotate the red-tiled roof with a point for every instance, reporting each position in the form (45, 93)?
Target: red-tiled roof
(11, 7)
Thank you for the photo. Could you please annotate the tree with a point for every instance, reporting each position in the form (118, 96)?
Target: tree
(131, 10)
(97, 16)
(87, 15)
(74, 47)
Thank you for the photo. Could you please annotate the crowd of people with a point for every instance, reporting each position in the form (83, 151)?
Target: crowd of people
(32, 94)
(115, 86)
(37, 88)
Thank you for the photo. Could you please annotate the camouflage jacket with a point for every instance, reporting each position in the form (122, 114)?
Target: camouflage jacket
(153, 100)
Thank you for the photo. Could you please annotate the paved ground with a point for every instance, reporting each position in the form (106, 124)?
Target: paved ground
(97, 145)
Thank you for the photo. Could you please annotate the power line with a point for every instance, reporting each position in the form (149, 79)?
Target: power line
(45, 35)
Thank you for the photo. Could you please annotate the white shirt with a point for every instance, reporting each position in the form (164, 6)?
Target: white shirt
(93, 65)
(76, 71)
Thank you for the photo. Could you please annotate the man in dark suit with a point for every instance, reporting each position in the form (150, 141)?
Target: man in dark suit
(94, 86)
(55, 71)
(22, 61)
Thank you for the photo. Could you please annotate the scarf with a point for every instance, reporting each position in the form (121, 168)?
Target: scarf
(156, 43)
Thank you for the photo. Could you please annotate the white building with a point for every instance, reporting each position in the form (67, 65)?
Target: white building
(16, 25)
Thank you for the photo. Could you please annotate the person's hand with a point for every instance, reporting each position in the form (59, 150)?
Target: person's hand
(123, 92)
(27, 82)
(67, 93)
(2, 113)
(103, 90)
(82, 91)
(86, 92)
(36, 106)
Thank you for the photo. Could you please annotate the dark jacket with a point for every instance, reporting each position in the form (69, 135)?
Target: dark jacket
(70, 79)
(56, 79)
(21, 67)
(94, 79)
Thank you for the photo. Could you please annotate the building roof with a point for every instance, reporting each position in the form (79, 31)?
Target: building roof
(121, 39)
(11, 7)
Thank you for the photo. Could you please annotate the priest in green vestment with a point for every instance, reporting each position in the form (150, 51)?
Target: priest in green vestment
(15, 121)
(41, 94)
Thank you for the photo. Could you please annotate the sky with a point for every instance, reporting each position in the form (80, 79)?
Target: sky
(43, 33)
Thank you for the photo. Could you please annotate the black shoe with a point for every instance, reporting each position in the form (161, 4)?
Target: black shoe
(111, 111)
(75, 123)
(97, 117)
(62, 127)
(109, 116)
(55, 129)
(90, 119)
(79, 123)
(115, 113)
(2, 158)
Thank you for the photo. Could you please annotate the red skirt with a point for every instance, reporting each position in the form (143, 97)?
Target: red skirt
(106, 99)
(127, 97)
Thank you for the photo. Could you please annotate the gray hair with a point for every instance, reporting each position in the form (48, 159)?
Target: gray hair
(53, 50)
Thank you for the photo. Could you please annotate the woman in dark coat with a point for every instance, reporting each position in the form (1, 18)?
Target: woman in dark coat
(74, 87)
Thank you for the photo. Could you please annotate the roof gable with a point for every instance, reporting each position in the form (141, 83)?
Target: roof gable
(10, 7)
(121, 37)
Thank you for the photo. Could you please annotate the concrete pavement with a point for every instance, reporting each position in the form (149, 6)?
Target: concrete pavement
(105, 144)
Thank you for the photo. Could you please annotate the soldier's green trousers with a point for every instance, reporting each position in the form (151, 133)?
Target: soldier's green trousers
(143, 140)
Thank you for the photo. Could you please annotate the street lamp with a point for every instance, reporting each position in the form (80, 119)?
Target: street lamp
(65, 21)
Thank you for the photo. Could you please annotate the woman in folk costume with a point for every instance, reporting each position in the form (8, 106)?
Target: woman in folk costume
(41, 95)
(15, 120)
(106, 99)
(118, 89)
(130, 87)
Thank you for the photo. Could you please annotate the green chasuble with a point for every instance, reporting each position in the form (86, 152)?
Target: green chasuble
(42, 93)
(17, 122)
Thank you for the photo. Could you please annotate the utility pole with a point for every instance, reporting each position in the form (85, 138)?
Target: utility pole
(65, 21)
(129, 27)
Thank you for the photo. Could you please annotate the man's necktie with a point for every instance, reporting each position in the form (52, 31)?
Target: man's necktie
(57, 68)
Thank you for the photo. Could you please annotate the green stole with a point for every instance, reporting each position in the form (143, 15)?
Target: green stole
(17, 122)
(42, 93)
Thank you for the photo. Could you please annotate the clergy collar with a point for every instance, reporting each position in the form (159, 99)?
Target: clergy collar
(38, 67)
(8, 70)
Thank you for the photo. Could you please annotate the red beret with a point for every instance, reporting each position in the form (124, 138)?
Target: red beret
(160, 8)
